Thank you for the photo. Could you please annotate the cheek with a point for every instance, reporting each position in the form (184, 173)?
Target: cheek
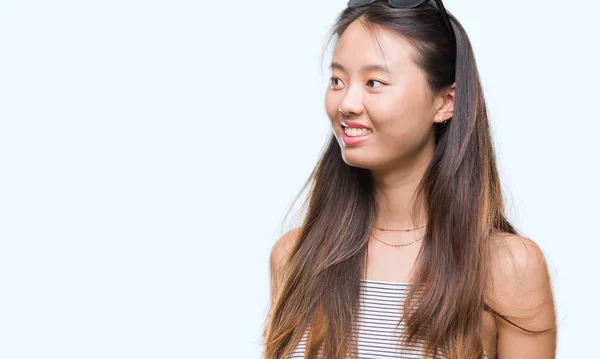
(389, 115)
(400, 120)
(402, 110)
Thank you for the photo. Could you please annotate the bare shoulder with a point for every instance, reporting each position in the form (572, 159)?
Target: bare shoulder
(520, 289)
(280, 253)
(282, 248)
(517, 261)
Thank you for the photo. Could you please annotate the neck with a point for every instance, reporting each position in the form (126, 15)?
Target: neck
(395, 195)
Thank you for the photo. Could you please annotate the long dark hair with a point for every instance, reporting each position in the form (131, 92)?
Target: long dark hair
(461, 190)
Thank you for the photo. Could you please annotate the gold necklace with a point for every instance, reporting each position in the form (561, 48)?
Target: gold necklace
(395, 245)
(399, 230)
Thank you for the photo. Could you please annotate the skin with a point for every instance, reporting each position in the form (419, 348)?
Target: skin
(401, 110)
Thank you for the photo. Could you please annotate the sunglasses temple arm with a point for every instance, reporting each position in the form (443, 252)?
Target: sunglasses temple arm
(446, 19)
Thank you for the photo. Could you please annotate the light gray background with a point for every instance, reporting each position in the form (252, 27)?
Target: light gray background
(150, 149)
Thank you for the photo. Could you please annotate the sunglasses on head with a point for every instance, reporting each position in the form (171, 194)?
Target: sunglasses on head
(405, 4)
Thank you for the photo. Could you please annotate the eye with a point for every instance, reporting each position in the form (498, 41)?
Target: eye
(376, 81)
(332, 83)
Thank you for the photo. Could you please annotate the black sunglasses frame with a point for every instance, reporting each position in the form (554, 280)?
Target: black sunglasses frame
(406, 4)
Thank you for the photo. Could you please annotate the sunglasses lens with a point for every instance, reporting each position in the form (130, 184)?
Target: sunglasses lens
(357, 3)
(405, 3)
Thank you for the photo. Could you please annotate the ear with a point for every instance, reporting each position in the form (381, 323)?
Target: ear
(446, 109)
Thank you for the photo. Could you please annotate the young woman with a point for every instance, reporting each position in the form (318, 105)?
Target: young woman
(405, 251)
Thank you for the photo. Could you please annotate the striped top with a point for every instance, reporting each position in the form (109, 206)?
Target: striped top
(380, 310)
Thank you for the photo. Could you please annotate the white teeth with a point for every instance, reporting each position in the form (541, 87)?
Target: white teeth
(357, 131)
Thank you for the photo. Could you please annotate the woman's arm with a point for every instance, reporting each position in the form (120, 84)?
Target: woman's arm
(521, 290)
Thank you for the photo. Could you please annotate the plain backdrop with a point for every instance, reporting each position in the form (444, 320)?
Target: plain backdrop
(149, 151)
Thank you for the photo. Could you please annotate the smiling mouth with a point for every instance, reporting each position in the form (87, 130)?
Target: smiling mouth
(356, 132)
(355, 136)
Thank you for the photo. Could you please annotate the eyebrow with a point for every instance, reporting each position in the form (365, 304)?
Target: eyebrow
(366, 68)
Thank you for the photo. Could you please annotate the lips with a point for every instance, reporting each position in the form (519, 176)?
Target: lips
(354, 140)
(353, 124)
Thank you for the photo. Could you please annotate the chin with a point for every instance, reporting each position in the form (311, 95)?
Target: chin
(357, 157)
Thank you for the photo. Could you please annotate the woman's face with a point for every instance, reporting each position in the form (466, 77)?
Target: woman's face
(395, 105)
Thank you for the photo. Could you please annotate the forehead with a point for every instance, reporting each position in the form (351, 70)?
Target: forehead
(360, 45)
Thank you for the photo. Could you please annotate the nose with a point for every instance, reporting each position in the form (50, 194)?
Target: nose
(352, 102)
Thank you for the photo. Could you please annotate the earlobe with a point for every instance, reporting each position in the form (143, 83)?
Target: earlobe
(441, 120)
(445, 113)
(446, 110)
